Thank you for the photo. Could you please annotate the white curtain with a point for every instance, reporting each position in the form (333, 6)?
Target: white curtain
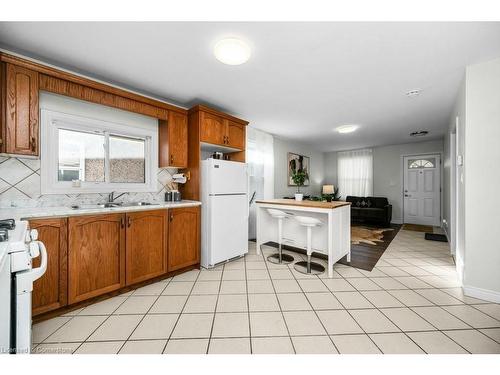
(355, 173)
(260, 160)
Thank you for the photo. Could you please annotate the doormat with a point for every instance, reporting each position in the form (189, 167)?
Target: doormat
(436, 237)
(418, 228)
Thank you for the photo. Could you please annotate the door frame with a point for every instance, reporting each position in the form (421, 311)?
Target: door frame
(402, 175)
(451, 230)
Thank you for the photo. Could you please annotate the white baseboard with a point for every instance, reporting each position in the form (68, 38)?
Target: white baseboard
(396, 221)
(445, 230)
(484, 294)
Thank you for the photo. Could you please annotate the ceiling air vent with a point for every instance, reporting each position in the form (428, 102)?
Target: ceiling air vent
(420, 133)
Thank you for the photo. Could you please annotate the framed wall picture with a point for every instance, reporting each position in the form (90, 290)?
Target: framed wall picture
(297, 162)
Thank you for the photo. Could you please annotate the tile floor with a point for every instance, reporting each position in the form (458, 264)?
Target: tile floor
(410, 302)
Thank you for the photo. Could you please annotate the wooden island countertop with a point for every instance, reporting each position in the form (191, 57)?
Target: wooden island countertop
(305, 203)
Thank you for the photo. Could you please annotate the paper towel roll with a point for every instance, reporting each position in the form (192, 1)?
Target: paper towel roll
(179, 178)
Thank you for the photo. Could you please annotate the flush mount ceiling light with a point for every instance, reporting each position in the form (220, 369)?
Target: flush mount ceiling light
(347, 129)
(232, 51)
(420, 133)
(413, 93)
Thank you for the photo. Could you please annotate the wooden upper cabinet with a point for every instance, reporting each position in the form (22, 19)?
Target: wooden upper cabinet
(183, 237)
(173, 141)
(235, 135)
(212, 129)
(50, 292)
(96, 255)
(147, 233)
(21, 111)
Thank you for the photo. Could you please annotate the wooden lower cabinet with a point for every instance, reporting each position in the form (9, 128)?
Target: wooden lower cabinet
(92, 255)
(146, 250)
(50, 292)
(183, 237)
(96, 255)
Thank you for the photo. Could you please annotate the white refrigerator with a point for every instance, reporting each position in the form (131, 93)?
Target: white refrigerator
(224, 222)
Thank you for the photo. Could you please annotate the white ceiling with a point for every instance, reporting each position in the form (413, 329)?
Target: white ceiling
(302, 81)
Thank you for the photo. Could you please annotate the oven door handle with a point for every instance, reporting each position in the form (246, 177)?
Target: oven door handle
(38, 272)
(24, 279)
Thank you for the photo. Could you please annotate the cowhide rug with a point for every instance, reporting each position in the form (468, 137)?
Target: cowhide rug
(366, 235)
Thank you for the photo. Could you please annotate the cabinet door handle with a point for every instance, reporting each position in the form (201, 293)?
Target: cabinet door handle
(33, 144)
(227, 140)
(171, 159)
(122, 222)
(171, 217)
(129, 222)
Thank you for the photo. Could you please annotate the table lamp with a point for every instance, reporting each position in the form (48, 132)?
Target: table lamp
(328, 189)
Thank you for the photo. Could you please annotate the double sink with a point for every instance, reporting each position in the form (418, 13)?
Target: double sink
(112, 204)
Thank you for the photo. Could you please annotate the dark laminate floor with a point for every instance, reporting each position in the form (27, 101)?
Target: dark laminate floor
(366, 256)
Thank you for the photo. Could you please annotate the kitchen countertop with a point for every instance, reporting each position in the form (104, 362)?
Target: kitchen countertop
(314, 204)
(19, 213)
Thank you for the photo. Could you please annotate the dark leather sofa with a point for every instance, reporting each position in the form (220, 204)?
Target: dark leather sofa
(370, 209)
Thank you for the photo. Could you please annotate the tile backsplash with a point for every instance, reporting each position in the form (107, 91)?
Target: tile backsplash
(20, 187)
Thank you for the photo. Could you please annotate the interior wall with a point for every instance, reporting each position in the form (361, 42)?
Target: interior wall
(330, 168)
(317, 170)
(482, 132)
(387, 173)
(455, 231)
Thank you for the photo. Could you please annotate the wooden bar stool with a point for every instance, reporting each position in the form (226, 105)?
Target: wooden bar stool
(279, 257)
(308, 267)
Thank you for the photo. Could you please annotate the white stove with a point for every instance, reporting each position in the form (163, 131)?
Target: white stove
(18, 246)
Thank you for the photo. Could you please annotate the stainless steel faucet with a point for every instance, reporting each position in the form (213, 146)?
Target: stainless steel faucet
(111, 196)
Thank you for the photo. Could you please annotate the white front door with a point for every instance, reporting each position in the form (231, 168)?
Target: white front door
(422, 196)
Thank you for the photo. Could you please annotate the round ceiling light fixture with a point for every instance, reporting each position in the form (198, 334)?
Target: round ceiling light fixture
(232, 51)
(344, 129)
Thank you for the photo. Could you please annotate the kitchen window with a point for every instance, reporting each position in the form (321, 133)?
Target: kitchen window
(82, 155)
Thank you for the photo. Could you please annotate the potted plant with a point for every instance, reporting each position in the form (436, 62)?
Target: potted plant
(298, 178)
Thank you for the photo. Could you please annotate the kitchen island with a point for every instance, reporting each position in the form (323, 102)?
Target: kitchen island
(332, 239)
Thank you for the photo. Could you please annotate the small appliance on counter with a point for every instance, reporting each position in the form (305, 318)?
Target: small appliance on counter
(173, 196)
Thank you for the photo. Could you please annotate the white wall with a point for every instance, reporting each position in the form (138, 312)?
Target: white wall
(317, 172)
(387, 174)
(482, 179)
(331, 168)
(456, 232)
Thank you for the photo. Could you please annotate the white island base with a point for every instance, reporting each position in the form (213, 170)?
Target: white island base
(333, 238)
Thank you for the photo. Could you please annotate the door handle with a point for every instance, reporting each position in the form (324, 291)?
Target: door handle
(407, 195)
(129, 222)
(122, 222)
(172, 159)
(33, 144)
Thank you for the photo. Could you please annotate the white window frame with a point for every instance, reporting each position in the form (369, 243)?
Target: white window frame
(52, 121)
